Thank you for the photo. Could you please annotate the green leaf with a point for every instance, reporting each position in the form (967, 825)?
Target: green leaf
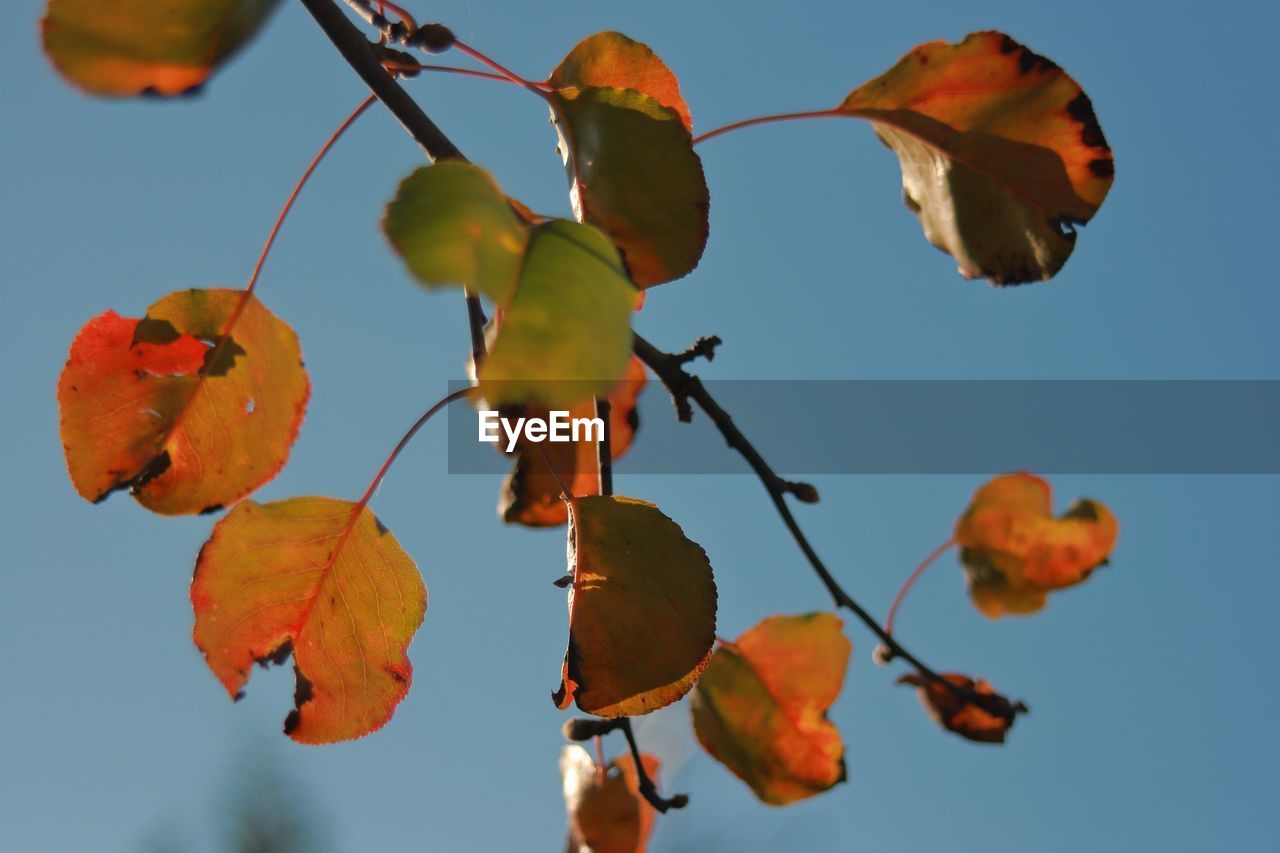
(563, 325)
(452, 225)
(161, 47)
(633, 173)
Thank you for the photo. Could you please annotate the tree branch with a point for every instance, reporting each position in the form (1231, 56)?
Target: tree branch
(361, 55)
(584, 728)
(684, 386)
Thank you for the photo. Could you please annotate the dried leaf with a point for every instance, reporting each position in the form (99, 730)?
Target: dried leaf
(1015, 552)
(966, 718)
(321, 579)
(760, 708)
(642, 609)
(1001, 152)
(143, 408)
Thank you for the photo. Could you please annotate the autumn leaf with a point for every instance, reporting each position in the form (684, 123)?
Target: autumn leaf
(612, 60)
(1001, 152)
(531, 493)
(320, 579)
(642, 609)
(625, 139)
(564, 298)
(963, 716)
(606, 812)
(1015, 552)
(155, 47)
(148, 405)
(760, 708)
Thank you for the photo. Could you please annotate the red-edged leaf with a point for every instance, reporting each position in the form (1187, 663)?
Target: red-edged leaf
(1001, 152)
(760, 708)
(147, 405)
(321, 579)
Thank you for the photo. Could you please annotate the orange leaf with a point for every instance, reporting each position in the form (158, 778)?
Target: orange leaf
(965, 718)
(531, 495)
(161, 47)
(610, 59)
(1001, 152)
(642, 609)
(1015, 552)
(321, 579)
(607, 813)
(143, 407)
(760, 708)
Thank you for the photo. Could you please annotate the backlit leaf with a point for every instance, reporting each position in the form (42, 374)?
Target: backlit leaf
(531, 495)
(642, 609)
(1001, 152)
(321, 579)
(161, 47)
(625, 138)
(760, 708)
(1015, 552)
(563, 326)
(612, 60)
(606, 812)
(568, 327)
(143, 408)
(453, 226)
(964, 717)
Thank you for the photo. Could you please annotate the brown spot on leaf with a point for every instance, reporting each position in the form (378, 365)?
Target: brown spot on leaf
(302, 694)
(1081, 109)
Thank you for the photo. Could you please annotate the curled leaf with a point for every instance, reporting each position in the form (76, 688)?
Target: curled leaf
(612, 60)
(149, 405)
(606, 812)
(642, 609)
(987, 722)
(159, 47)
(562, 294)
(760, 708)
(321, 579)
(531, 494)
(1001, 152)
(1015, 552)
(625, 138)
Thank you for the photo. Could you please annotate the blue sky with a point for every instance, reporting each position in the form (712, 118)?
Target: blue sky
(1151, 687)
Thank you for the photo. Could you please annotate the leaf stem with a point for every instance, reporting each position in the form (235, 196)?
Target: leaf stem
(604, 447)
(293, 196)
(751, 122)
(911, 580)
(361, 56)
(539, 89)
(404, 441)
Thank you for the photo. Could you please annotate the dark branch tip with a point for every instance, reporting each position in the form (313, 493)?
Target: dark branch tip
(433, 38)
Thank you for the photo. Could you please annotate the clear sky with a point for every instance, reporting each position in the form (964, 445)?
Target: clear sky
(1152, 687)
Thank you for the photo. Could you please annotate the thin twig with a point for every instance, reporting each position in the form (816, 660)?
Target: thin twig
(582, 729)
(684, 386)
